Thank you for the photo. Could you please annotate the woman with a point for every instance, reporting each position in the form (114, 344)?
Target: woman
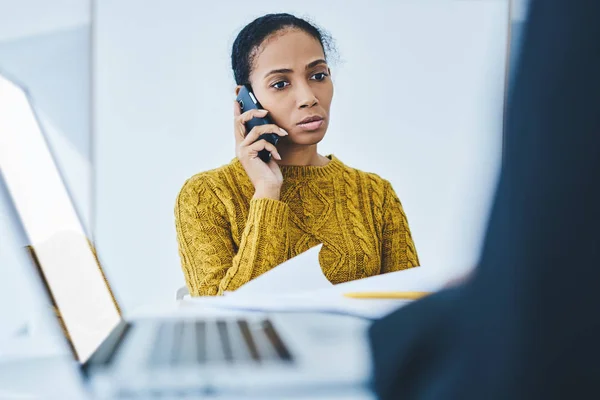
(238, 221)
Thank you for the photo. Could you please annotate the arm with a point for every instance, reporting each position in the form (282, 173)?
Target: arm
(398, 248)
(210, 260)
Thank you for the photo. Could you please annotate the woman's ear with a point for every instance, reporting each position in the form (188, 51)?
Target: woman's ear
(237, 89)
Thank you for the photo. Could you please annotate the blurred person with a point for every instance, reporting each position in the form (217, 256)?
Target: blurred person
(526, 324)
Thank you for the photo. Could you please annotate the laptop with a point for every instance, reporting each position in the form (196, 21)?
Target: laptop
(198, 353)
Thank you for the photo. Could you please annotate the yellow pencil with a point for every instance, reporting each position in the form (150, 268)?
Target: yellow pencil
(387, 295)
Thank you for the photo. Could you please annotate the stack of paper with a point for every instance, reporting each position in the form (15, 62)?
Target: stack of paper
(300, 285)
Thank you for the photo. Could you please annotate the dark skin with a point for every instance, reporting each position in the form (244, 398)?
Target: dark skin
(292, 81)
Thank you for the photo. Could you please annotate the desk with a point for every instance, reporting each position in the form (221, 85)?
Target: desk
(52, 377)
(55, 378)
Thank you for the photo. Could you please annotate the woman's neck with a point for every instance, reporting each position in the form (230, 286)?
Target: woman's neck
(301, 155)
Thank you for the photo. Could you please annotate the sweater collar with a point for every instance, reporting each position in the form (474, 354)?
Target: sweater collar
(333, 167)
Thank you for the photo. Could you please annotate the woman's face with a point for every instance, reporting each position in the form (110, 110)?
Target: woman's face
(291, 79)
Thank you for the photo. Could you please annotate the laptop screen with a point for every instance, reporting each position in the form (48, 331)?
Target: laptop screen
(58, 243)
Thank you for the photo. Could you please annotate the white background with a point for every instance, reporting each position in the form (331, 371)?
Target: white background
(46, 47)
(428, 78)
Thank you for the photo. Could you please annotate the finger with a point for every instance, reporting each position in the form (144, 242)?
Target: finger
(237, 110)
(262, 144)
(239, 129)
(275, 168)
(253, 113)
(259, 130)
(240, 121)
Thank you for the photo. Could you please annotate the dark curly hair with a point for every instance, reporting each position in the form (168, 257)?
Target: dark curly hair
(253, 35)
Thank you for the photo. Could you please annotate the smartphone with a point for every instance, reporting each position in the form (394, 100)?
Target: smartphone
(248, 101)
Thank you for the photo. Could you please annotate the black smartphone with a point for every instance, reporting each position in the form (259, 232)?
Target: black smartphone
(248, 101)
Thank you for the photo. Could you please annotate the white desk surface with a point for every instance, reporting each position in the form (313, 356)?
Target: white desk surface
(56, 378)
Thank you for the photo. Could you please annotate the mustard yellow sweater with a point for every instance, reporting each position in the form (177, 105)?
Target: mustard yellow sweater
(226, 238)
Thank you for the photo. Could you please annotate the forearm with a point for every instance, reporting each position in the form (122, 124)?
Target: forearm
(264, 243)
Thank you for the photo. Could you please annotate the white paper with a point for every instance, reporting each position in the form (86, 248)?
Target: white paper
(417, 279)
(305, 302)
(330, 299)
(298, 274)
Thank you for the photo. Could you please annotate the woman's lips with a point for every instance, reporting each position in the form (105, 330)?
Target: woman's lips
(311, 126)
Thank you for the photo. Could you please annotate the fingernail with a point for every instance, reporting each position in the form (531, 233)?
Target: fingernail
(263, 111)
(277, 156)
(282, 131)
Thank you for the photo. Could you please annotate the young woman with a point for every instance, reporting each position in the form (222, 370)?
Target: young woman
(239, 220)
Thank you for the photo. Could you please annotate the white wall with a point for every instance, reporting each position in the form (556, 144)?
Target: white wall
(22, 18)
(46, 48)
(429, 76)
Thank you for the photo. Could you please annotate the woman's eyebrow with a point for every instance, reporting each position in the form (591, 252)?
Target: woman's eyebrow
(315, 63)
(287, 70)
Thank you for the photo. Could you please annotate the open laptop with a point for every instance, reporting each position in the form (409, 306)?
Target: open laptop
(196, 354)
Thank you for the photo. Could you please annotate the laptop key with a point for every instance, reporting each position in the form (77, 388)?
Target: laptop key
(177, 343)
(185, 352)
(162, 345)
(276, 342)
(224, 339)
(217, 341)
(200, 341)
(248, 339)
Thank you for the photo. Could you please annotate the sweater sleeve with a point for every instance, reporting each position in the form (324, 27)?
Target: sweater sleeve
(210, 260)
(398, 248)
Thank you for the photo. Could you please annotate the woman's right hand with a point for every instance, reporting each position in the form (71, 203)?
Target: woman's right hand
(266, 177)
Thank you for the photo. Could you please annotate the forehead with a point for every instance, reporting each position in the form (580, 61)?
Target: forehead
(288, 48)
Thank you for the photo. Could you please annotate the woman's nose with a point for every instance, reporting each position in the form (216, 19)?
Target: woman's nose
(306, 97)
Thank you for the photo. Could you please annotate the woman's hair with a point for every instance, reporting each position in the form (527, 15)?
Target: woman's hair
(253, 35)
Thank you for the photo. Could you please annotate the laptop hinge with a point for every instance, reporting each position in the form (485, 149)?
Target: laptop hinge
(105, 353)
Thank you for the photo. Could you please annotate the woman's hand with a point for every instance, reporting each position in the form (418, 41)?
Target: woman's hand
(266, 177)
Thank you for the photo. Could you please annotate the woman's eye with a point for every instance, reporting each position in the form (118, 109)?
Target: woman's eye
(320, 76)
(279, 85)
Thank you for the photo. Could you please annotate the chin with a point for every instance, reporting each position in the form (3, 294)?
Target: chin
(307, 138)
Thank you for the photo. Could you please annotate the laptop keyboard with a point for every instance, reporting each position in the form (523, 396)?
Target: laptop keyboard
(179, 343)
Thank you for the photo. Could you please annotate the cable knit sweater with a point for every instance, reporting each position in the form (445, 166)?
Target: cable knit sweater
(226, 238)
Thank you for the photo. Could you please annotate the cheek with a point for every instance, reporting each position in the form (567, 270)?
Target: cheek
(280, 112)
(326, 95)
